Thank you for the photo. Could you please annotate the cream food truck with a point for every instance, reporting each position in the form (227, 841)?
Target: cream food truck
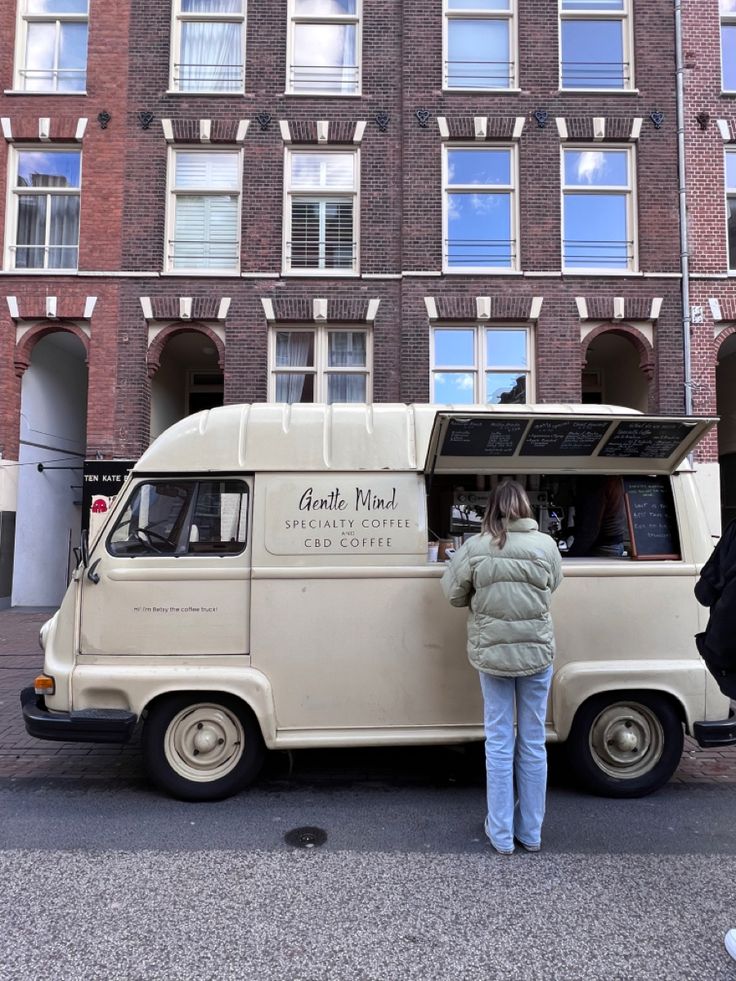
(263, 582)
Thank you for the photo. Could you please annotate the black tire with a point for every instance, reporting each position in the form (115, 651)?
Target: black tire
(625, 744)
(230, 754)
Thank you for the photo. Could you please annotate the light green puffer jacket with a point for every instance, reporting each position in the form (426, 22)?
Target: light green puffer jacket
(508, 591)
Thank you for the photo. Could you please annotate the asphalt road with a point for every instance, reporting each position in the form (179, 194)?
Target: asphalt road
(108, 879)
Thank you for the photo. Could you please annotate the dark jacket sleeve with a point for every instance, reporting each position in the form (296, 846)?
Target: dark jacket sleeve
(718, 570)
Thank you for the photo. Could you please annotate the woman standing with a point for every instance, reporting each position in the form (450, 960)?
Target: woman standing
(507, 575)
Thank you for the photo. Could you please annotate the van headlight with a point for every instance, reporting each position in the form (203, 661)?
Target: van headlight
(43, 634)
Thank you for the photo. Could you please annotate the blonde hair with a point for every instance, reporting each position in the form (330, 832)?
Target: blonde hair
(508, 502)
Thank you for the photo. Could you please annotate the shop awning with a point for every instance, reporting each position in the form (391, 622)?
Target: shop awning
(493, 441)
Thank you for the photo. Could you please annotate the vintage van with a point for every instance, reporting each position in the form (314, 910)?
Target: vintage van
(262, 582)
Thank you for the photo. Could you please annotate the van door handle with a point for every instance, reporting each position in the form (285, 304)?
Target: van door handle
(91, 574)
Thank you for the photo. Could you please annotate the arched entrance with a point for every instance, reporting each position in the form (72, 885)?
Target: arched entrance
(189, 378)
(53, 433)
(726, 409)
(613, 373)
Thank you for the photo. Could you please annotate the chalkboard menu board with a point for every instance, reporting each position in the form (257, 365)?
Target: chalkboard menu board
(566, 437)
(646, 440)
(650, 511)
(483, 436)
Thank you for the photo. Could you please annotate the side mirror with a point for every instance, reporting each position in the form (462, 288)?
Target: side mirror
(84, 543)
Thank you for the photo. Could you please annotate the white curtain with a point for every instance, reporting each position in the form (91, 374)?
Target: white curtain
(211, 55)
(347, 350)
(292, 350)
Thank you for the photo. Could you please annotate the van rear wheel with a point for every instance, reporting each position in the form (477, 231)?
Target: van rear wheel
(625, 745)
(202, 746)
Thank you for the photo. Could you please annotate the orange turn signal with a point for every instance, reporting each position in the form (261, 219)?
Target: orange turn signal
(44, 685)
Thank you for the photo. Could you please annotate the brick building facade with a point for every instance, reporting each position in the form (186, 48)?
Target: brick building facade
(710, 139)
(600, 311)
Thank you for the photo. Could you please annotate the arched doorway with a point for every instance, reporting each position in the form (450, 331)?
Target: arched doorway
(726, 409)
(53, 434)
(189, 379)
(612, 373)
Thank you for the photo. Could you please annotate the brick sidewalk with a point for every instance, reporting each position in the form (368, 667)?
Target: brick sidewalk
(22, 756)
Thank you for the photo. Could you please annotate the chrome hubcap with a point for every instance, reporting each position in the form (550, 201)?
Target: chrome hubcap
(204, 742)
(626, 740)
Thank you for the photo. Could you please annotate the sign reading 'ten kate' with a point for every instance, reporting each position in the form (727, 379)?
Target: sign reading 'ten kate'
(335, 514)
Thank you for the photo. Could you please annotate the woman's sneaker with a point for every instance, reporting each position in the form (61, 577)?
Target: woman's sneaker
(501, 851)
(730, 941)
(528, 848)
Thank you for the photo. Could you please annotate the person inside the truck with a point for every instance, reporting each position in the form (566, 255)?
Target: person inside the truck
(599, 527)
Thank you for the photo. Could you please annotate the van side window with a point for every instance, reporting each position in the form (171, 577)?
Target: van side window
(187, 517)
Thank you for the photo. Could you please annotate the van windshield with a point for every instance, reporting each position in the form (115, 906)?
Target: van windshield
(184, 517)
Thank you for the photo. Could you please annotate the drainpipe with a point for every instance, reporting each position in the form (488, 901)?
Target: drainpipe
(684, 253)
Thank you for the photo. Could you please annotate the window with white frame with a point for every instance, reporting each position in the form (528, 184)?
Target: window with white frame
(479, 44)
(319, 364)
(204, 210)
(598, 224)
(480, 208)
(595, 44)
(320, 223)
(731, 206)
(45, 198)
(52, 46)
(324, 47)
(479, 364)
(728, 45)
(208, 46)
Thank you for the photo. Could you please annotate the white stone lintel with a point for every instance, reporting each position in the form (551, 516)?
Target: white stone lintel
(443, 127)
(44, 128)
(319, 309)
(599, 128)
(89, 307)
(13, 307)
(7, 128)
(359, 130)
(518, 127)
(168, 127)
(223, 308)
(268, 309)
(285, 131)
(242, 130)
(483, 307)
(656, 307)
(205, 130)
(373, 305)
(323, 131)
(582, 304)
(724, 130)
(536, 307)
(561, 124)
(715, 310)
(618, 307)
(431, 305)
(480, 127)
(147, 307)
(51, 307)
(185, 307)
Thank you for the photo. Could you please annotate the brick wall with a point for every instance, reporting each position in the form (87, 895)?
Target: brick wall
(124, 199)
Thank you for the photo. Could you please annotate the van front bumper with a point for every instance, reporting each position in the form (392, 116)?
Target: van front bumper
(86, 726)
(719, 733)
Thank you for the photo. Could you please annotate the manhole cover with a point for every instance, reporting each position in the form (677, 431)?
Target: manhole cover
(306, 837)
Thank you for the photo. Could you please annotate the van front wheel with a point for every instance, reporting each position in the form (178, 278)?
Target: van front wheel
(625, 745)
(202, 746)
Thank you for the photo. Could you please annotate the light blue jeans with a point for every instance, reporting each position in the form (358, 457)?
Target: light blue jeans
(523, 757)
